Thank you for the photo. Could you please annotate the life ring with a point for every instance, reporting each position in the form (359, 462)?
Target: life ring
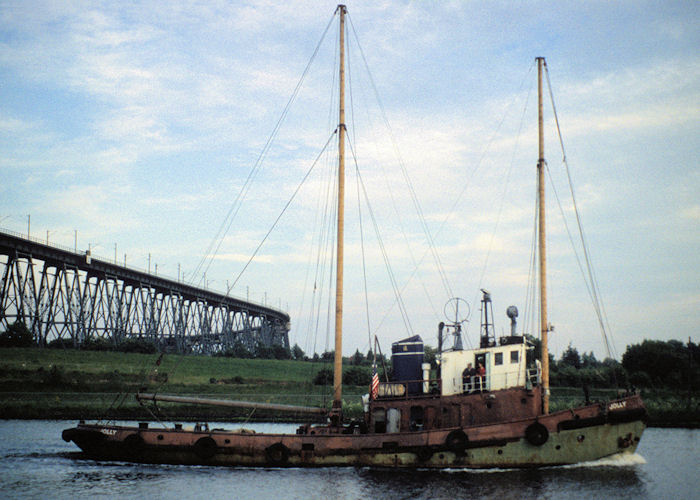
(456, 441)
(423, 454)
(205, 447)
(536, 434)
(277, 454)
(134, 445)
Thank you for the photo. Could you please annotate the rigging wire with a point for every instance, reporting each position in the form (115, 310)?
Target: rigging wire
(359, 203)
(392, 277)
(505, 191)
(318, 242)
(531, 315)
(591, 283)
(407, 179)
(364, 261)
(216, 242)
(325, 228)
(284, 209)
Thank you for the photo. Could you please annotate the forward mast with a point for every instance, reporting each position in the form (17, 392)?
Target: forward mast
(338, 358)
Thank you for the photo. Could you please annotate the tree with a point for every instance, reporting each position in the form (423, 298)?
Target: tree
(298, 353)
(357, 358)
(571, 357)
(665, 363)
(281, 352)
(239, 350)
(588, 360)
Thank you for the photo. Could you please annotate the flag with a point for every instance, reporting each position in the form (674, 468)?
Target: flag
(374, 385)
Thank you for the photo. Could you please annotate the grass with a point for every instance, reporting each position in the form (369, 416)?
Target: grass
(51, 383)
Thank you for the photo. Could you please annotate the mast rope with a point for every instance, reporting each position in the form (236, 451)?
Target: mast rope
(404, 172)
(505, 191)
(362, 247)
(284, 209)
(225, 226)
(385, 257)
(591, 282)
(531, 316)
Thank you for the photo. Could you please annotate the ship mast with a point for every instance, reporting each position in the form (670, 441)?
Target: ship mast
(544, 326)
(338, 359)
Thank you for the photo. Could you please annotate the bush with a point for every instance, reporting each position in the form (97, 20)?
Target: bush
(641, 379)
(237, 351)
(16, 335)
(324, 377)
(60, 344)
(141, 346)
(54, 377)
(355, 375)
(97, 344)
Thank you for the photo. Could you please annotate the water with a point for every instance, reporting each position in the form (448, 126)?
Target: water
(36, 463)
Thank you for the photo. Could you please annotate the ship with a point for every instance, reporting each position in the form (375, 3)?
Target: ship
(483, 407)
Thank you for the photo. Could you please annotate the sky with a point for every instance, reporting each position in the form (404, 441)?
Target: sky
(131, 128)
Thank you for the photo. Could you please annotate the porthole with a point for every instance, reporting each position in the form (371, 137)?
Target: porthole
(557, 447)
(160, 437)
(227, 441)
(500, 452)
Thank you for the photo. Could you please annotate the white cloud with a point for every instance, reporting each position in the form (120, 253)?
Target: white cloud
(692, 213)
(136, 122)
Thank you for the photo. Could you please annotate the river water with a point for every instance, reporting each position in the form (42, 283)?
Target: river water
(36, 463)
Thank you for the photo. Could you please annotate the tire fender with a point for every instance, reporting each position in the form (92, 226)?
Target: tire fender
(205, 447)
(134, 445)
(277, 454)
(456, 441)
(536, 434)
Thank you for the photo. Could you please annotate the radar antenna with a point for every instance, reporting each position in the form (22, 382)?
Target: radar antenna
(457, 311)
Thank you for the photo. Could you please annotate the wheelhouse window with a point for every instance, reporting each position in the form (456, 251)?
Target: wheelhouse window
(498, 358)
(513, 356)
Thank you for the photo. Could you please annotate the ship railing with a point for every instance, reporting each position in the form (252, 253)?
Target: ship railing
(534, 376)
(496, 381)
(475, 383)
(409, 388)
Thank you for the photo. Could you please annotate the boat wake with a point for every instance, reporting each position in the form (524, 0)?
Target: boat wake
(616, 460)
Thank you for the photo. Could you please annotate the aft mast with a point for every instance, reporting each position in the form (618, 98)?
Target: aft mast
(544, 326)
(338, 359)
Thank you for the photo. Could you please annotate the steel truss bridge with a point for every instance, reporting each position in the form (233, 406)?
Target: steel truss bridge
(62, 294)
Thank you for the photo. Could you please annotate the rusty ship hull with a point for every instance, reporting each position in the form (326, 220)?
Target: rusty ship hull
(571, 436)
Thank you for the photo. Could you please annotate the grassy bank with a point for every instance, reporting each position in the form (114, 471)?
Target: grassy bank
(47, 383)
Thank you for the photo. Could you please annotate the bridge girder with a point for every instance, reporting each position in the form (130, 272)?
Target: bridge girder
(59, 294)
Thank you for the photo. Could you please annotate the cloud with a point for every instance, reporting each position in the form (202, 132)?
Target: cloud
(139, 123)
(691, 213)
